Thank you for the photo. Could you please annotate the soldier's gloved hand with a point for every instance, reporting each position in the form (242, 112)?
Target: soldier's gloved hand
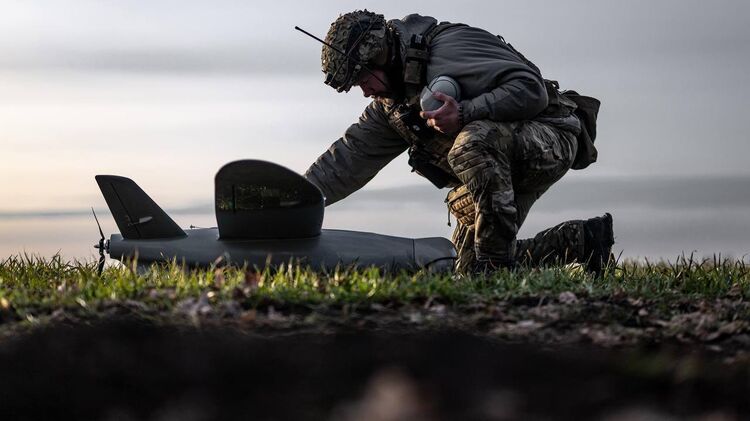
(445, 119)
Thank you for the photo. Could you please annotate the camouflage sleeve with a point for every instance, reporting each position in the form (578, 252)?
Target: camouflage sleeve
(354, 159)
(518, 99)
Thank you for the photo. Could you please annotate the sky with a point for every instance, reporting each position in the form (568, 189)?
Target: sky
(165, 92)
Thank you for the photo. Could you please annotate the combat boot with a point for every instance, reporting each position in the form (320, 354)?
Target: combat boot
(485, 267)
(598, 240)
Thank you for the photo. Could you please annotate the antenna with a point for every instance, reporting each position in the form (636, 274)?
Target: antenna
(364, 66)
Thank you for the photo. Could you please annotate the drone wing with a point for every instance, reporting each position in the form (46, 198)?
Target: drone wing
(137, 216)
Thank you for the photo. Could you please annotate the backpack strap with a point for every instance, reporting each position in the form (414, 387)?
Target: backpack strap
(416, 58)
(521, 56)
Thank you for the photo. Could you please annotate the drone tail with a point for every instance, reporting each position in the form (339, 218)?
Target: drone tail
(136, 214)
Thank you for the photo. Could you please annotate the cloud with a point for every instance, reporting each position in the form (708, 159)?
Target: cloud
(238, 37)
(248, 60)
(679, 194)
(665, 193)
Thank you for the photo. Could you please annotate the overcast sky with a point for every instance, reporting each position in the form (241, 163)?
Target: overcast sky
(166, 92)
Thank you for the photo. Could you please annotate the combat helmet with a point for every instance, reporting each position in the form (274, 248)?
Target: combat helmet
(359, 34)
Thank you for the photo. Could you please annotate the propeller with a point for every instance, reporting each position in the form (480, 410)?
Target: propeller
(102, 245)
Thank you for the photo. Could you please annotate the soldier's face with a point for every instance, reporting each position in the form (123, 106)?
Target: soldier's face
(371, 86)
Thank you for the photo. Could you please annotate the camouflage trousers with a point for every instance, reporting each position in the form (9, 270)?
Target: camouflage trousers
(505, 168)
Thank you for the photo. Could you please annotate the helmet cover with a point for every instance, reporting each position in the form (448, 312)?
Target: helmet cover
(360, 35)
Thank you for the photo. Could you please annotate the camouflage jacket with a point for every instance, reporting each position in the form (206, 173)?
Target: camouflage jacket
(495, 83)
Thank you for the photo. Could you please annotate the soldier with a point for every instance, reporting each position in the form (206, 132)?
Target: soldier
(502, 146)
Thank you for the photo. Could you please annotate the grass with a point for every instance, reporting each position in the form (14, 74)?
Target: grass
(30, 284)
(679, 328)
(699, 304)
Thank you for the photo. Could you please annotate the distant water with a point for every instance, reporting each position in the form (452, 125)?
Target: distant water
(654, 218)
(171, 131)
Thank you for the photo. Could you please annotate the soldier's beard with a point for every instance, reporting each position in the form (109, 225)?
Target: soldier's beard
(387, 93)
(384, 95)
(383, 85)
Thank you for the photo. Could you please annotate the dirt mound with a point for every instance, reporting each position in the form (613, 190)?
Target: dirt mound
(132, 369)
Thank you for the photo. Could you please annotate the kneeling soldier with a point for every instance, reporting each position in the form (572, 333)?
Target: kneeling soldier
(499, 148)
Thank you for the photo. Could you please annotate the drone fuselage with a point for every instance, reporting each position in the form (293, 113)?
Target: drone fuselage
(267, 215)
(202, 247)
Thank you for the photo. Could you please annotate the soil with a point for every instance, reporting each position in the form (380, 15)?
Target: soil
(531, 358)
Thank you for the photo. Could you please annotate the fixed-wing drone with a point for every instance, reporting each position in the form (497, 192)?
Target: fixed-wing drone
(266, 214)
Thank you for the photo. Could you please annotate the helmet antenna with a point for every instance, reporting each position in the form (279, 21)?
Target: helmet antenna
(364, 66)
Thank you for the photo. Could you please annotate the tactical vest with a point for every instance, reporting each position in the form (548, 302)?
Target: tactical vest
(428, 148)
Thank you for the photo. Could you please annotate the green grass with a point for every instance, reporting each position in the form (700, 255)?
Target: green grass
(30, 285)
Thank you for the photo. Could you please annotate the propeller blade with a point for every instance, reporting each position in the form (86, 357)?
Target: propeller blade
(101, 246)
(97, 222)
(100, 265)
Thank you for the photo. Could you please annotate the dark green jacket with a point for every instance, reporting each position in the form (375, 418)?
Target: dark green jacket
(496, 83)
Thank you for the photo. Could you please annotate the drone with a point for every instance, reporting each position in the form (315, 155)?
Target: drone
(267, 215)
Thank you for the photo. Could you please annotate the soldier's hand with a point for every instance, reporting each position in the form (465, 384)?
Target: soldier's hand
(445, 119)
